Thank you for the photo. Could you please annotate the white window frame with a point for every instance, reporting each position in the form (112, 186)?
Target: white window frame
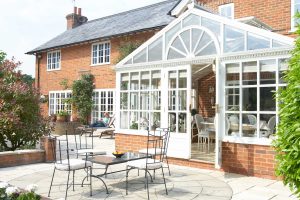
(251, 140)
(57, 101)
(97, 53)
(226, 6)
(293, 25)
(57, 64)
(96, 114)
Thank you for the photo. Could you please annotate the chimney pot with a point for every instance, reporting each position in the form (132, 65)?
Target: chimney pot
(79, 11)
(75, 10)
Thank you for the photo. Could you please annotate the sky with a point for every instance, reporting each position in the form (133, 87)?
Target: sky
(26, 24)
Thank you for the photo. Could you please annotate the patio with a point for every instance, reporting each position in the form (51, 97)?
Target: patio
(185, 183)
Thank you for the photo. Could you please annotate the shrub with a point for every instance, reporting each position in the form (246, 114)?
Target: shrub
(82, 94)
(287, 143)
(20, 120)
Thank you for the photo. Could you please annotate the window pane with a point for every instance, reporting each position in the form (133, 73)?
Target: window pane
(134, 120)
(182, 100)
(186, 37)
(209, 49)
(173, 54)
(232, 125)
(257, 42)
(140, 57)
(134, 100)
(204, 41)
(172, 122)
(233, 74)
(249, 99)
(107, 52)
(172, 79)
(171, 33)
(155, 50)
(144, 101)
(172, 100)
(182, 79)
(144, 120)
(212, 25)
(179, 45)
(155, 100)
(155, 119)
(232, 99)
(267, 99)
(124, 120)
(249, 125)
(134, 81)
(155, 81)
(267, 125)
(267, 71)
(145, 80)
(182, 122)
(249, 73)
(234, 39)
(192, 19)
(124, 81)
(283, 66)
(124, 100)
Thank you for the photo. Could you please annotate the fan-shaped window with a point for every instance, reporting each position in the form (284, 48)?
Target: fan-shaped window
(190, 43)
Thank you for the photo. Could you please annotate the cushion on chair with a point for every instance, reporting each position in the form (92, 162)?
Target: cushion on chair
(74, 164)
(141, 164)
(91, 151)
(151, 151)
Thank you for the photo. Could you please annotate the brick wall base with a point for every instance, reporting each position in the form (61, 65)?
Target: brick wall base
(250, 160)
(21, 157)
(246, 159)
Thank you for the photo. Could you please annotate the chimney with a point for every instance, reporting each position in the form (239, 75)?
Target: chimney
(75, 19)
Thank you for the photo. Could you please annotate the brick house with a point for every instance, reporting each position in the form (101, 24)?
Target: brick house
(223, 58)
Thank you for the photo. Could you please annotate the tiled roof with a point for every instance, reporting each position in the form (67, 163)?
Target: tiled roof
(149, 17)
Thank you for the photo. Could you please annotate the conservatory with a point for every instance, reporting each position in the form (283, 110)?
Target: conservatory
(223, 70)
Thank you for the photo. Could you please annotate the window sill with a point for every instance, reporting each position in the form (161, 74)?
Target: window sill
(100, 64)
(50, 70)
(248, 140)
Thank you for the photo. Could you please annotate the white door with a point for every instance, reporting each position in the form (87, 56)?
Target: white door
(176, 98)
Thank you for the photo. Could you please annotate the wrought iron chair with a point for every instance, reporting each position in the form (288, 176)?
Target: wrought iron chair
(151, 151)
(158, 141)
(84, 142)
(64, 162)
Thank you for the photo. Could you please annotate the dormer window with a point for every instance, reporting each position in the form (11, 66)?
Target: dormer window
(53, 60)
(227, 10)
(101, 53)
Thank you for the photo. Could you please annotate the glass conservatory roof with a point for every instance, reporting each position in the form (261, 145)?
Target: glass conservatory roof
(197, 33)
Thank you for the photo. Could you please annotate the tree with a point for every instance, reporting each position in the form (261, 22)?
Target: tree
(82, 96)
(287, 143)
(20, 120)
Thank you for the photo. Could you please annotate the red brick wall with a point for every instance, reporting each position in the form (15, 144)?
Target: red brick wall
(275, 13)
(205, 106)
(250, 160)
(15, 158)
(246, 159)
(77, 59)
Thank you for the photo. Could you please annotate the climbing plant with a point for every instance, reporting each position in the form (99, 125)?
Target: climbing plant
(287, 143)
(82, 94)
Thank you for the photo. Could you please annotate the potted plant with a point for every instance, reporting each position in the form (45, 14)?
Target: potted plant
(62, 116)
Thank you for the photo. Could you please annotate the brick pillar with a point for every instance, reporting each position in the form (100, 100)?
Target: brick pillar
(49, 145)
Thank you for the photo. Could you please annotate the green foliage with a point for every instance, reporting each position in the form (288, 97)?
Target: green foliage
(134, 125)
(2, 56)
(126, 48)
(287, 143)
(63, 113)
(27, 79)
(64, 83)
(82, 93)
(20, 121)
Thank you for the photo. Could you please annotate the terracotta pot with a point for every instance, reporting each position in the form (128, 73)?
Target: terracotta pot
(60, 118)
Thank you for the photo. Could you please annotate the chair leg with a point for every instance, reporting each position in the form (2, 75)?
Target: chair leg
(147, 185)
(51, 182)
(67, 185)
(162, 169)
(127, 171)
(91, 182)
(73, 179)
(168, 165)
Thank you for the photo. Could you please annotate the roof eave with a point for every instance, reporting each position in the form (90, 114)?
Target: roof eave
(94, 40)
